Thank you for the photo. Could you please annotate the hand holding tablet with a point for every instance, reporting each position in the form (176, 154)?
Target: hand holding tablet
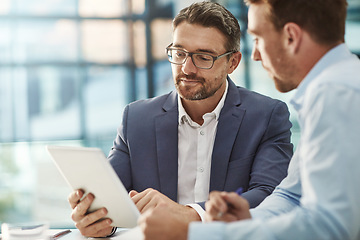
(88, 169)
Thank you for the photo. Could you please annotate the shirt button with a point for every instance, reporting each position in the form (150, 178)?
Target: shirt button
(202, 133)
(201, 169)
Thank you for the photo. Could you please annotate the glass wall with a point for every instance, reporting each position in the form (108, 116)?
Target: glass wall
(67, 70)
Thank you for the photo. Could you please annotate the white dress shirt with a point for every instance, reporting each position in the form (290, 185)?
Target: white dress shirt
(319, 199)
(195, 146)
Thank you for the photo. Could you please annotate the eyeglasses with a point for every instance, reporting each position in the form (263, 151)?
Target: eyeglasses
(200, 60)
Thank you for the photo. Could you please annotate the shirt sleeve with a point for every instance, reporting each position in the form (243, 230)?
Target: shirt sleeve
(198, 209)
(329, 163)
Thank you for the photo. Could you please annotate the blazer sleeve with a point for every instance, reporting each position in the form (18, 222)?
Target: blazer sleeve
(119, 156)
(272, 157)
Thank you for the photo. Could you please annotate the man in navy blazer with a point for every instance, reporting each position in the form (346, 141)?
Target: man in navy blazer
(206, 135)
(251, 148)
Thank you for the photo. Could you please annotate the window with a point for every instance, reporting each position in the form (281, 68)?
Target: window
(67, 70)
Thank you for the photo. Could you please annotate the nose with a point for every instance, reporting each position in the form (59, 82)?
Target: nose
(188, 66)
(255, 54)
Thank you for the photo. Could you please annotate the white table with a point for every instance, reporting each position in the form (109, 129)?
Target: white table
(121, 234)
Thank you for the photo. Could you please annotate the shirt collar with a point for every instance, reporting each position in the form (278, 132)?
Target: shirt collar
(328, 59)
(184, 116)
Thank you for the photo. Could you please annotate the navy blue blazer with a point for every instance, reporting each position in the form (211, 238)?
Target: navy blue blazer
(252, 146)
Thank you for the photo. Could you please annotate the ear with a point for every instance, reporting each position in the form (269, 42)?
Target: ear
(234, 61)
(293, 36)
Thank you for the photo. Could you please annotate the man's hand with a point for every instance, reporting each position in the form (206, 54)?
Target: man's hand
(88, 224)
(227, 207)
(150, 198)
(163, 223)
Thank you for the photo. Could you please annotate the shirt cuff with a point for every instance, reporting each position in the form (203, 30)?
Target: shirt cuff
(199, 210)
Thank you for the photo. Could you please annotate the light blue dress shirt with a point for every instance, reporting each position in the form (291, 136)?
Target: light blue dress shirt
(320, 197)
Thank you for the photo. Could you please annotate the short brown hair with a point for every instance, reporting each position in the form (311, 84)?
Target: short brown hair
(323, 19)
(209, 14)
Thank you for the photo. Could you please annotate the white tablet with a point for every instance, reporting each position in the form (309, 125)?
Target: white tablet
(89, 169)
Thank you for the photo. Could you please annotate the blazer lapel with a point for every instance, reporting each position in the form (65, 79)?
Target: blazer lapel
(166, 127)
(229, 123)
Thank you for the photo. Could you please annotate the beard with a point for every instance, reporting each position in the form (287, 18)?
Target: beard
(201, 91)
(286, 81)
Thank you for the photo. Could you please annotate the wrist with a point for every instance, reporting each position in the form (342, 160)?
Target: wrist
(112, 232)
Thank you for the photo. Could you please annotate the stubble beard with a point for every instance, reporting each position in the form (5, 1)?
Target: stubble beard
(284, 81)
(187, 92)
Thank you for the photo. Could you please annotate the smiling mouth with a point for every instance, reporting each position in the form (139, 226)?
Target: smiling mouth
(189, 80)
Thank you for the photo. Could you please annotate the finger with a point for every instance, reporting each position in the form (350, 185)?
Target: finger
(147, 199)
(93, 219)
(82, 207)
(152, 199)
(149, 203)
(239, 206)
(214, 215)
(140, 195)
(228, 217)
(132, 193)
(98, 229)
(75, 197)
(216, 206)
(211, 209)
(104, 232)
(234, 200)
(145, 203)
(216, 198)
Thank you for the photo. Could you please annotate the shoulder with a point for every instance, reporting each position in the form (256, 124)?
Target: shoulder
(336, 81)
(155, 101)
(153, 105)
(257, 107)
(344, 72)
(251, 98)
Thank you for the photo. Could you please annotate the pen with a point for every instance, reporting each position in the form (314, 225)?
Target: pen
(239, 191)
(60, 234)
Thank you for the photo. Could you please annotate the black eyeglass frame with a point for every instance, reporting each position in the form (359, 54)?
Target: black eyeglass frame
(214, 58)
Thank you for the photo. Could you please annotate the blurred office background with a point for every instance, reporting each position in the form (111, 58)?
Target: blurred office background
(67, 70)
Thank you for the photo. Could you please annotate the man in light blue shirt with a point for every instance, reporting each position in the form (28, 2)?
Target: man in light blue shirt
(301, 45)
